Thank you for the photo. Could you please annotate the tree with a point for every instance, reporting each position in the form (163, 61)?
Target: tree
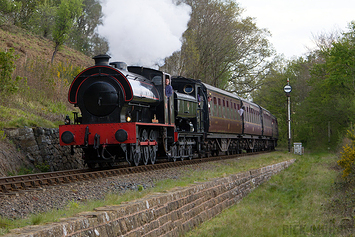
(84, 36)
(25, 13)
(43, 19)
(67, 13)
(331, 101)
(99, 45)
(8, 85)
(223, 49)
(272, 97)
(8, 10)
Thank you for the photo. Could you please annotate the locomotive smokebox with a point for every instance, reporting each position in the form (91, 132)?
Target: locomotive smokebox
(101, 60)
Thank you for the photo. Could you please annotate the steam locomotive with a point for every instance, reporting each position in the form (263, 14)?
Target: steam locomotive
(126, 116)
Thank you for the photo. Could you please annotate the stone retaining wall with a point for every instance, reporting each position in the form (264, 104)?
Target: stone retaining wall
(41, 147)
(168, 214)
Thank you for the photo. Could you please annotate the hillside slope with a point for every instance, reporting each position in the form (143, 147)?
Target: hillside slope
(27, 45)
(43, 101)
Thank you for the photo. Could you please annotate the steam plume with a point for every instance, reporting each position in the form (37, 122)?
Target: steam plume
(143, 32)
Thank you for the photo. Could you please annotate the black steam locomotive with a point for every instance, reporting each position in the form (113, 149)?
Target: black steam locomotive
(126, 116)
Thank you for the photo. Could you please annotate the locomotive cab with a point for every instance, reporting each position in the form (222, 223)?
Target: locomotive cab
(163, 113)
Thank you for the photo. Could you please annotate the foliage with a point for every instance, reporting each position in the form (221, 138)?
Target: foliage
(9, 10)
(43, 167)
(50, 81)
(83, 36)
(36, 220)
(73, 205)
(14, 118)
(8, 85)
(21, 171)
(222, 48)
(347, 159)
(67, 12)
(48, 18)
(272, 97)
(322, 97)
(2, 135)
(331, 101)
(43, 19)
(140, 188)
(40, 100)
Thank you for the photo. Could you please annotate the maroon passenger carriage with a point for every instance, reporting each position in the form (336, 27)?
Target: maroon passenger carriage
(125, 116)
(229, 124)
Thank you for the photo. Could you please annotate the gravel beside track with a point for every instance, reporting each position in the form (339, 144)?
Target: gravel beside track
(24, 203)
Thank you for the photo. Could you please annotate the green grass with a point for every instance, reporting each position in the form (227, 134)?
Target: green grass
(293, 203)
(190, 176)
(11, 118)
(21, 171)
(33, 114)
(41, 100)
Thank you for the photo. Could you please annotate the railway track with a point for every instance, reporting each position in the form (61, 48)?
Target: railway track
(13, 184)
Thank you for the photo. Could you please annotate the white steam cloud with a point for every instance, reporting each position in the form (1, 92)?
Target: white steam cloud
(143, 32)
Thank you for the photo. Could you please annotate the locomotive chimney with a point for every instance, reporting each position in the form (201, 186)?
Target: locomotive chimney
(101, 60)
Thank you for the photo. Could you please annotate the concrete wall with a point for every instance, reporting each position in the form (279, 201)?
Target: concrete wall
(168, 214)
(41, 147)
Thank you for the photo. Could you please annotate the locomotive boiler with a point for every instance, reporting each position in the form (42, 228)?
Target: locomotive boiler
(126, 116)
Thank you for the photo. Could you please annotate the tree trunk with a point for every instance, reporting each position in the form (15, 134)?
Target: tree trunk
(55, 52)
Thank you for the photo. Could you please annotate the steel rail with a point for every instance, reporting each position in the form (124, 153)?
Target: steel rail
(13, 184)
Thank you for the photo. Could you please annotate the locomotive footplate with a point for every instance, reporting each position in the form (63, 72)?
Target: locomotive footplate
(108, 133)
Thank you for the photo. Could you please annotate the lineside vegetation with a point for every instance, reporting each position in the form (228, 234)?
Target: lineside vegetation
(308, 199)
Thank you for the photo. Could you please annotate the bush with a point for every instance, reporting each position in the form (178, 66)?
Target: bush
(347, 159)
(7, 67)
(43, 167)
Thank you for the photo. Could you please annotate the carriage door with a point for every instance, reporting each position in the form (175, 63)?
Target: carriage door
(200, 109)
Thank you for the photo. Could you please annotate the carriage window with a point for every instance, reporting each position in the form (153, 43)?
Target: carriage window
(223, 110)
(227, 103)
(255, 118)
(219, 101)
(188, 89)
(215, 111)
(237, 114)
(224, 103)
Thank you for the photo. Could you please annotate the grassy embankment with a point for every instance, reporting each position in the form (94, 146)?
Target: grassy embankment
(306, 199)
(42, 96)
